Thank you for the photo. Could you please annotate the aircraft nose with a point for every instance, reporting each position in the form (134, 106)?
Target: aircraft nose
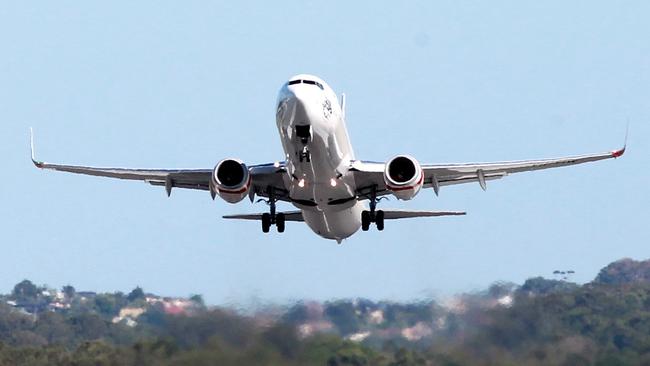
(297, 95)
(297, 103)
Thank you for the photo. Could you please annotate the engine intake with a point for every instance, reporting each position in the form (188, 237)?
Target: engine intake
(230, 180)
(404, 176)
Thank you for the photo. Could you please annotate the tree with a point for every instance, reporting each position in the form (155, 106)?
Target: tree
(198, 300)
(69, 291)
(88, 326)
(25, 290)
(136, 294)
(108, 304)
(343, 315)
(52, 327)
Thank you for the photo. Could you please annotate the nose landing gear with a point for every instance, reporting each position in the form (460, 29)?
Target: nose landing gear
(303, 132)
(304, 155)
(372, 215)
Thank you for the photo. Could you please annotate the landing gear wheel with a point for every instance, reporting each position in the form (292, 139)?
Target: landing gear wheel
(379, 220)
(372, 215)
(266, 222)
(279, 222)
(365, 220)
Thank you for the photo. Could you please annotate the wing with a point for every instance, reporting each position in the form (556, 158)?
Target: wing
(264, 176)
(405, 214)
(369, 174)
(289, 216)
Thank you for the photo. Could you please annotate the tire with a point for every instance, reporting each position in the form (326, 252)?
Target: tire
(266, 222)
(279, 222)
(365, 220)
(379, 220)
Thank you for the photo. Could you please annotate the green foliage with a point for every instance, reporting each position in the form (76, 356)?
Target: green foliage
(296, 314)
(136, 294)
(624, 271)
(343, 315)
(69, 291)
(25, 291)
(543, 286)
(198, 300)
(407, 315)
(549, 322)
(53, 328)
(109, 305)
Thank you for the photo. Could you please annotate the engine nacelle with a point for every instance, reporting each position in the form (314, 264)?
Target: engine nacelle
(230, 180)
(404, 177)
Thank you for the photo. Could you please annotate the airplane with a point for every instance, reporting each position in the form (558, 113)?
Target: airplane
(320, 174)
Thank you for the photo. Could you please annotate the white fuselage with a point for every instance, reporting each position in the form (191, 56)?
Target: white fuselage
(318, 154)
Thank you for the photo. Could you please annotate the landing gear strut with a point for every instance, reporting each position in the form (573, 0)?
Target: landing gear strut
(304, 155)
(376, 216)
(272, 218)
(303, 132)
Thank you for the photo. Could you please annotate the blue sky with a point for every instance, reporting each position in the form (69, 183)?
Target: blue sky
(183, 85)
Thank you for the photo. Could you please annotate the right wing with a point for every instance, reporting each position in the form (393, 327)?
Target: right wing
(448, 174)
(288, 216)
(371, 174)
(263, 176)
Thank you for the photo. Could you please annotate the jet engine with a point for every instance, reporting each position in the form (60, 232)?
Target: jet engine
(404, 176)
(230, 180)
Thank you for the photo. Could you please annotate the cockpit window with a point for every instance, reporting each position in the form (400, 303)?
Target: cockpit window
(310, 82)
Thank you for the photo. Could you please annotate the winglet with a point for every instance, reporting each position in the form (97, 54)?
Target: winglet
(618, 153)
(38, 164)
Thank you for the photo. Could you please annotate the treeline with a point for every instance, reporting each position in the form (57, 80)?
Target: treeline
(542, 322)
(211, 337)
(588, 325)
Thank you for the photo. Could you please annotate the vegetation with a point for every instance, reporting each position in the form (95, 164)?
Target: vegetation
(542, 322)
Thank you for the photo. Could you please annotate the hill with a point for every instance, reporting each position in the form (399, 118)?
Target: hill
(625, 271)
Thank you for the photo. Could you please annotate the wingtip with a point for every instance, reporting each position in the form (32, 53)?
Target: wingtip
(618, 153)
(38, 164)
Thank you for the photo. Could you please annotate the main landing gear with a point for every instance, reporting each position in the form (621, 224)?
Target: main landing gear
(272, 218)
(376, 216)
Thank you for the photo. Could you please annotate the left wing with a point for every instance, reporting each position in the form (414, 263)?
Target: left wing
(406, 214)
(263, 176)
(369, 174)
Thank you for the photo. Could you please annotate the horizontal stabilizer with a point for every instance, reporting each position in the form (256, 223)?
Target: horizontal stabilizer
(404, 214)
(288, 216)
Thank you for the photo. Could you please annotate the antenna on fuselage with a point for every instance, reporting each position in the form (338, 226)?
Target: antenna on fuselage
(342, 103)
